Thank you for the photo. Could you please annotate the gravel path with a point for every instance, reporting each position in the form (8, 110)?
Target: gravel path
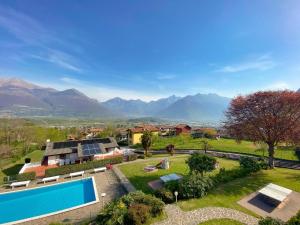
(178, 217)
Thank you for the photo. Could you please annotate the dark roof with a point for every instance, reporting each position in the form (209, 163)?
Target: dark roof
(65, 147)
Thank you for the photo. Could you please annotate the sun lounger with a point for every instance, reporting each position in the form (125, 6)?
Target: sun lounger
(48, 179)
(76, 174)
(21, 183)
(100, 169)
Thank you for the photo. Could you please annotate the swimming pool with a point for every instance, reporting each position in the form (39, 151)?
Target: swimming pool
(23, 205)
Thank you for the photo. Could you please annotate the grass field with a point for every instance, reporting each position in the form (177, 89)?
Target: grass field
(14, 167)
(187, 142)
(139, 178)
(221, 222)
(225, 195)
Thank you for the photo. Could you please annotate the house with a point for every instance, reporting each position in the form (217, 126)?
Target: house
(183, 129)
(204, 132)
(135, 134)
(77, 151)
(122, 136)
(167, 130)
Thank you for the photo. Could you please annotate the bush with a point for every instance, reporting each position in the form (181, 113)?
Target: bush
(165, 195)
(270, 221)
(141, 157)
(201, 163)
(149, 155)
(25, 176)
(133, 208)
(295, 220)
(195, 186)
(27, 160)
(250, 163)
(84, 166)
(132, 157)
(138, 214)
(170, 149)
(297, 153)
(172, 185)
(225, 176)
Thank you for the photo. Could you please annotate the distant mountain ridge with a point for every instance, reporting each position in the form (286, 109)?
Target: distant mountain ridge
(20, 98)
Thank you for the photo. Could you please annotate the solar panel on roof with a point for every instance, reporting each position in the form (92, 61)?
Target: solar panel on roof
(90, 149)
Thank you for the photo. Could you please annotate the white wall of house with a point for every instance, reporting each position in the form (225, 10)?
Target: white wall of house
(52, 160)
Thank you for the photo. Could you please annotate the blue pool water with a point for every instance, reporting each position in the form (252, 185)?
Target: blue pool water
(36, 202)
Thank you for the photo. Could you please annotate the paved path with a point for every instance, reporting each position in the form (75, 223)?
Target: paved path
(178, 217)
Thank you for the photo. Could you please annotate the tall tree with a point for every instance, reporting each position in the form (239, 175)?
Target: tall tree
(146, 140)
(271, 117)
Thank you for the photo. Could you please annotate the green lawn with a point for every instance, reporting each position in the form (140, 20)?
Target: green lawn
(221, 222)
(225, 195)
(14, 167)
(187, 142)
(228, 194)
(139, 178)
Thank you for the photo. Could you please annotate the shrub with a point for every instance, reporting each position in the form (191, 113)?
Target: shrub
(225, 176)
(165, 195)
(148, 154)
(195, 186)
(133, 208)
(170, 149)
(132, 157)
(250, 163)
(297, 153)
(295, 220)
(138, 214)
(201, 163)
(84, 166)
(156, 205)
(25, 176)
(113, 213)
(172, 185)
(270, 221)
(141, 157)
(27, 160)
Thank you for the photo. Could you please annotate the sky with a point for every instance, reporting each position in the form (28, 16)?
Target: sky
(151, 49)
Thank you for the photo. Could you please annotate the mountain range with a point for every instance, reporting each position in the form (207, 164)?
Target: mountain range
(20, 98)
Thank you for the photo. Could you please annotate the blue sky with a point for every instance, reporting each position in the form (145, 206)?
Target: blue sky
(151, 49)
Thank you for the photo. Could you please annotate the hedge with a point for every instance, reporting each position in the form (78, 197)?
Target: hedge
(24, 176)
(84, 166)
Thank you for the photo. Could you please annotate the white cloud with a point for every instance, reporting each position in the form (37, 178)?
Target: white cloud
(280, 85)
(101, 93)
(261, 63)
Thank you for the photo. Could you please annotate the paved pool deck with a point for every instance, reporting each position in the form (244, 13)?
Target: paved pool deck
(106, 182)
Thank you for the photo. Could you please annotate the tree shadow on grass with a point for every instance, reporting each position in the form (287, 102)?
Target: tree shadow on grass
(13, 170)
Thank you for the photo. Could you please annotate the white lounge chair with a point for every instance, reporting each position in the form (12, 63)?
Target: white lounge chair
(76, 174)
(100, 169)
(19, 184)
(48, 179)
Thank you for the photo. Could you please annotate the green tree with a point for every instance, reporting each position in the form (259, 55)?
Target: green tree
(205, 145)
(201, 163)
(146, 140)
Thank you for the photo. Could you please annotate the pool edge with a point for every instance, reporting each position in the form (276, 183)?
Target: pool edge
(57, 212)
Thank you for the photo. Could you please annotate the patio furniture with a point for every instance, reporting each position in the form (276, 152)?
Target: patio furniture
(170, 177)
(76, 174)
(100, 169)
(275, 193)
(48, 179)
(19, 184)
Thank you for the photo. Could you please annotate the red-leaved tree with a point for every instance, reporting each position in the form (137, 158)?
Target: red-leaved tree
(271, 117)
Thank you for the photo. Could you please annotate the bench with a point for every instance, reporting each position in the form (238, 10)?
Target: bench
(76, 174)
(18, 184)
(100, 169)
(48, 179)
